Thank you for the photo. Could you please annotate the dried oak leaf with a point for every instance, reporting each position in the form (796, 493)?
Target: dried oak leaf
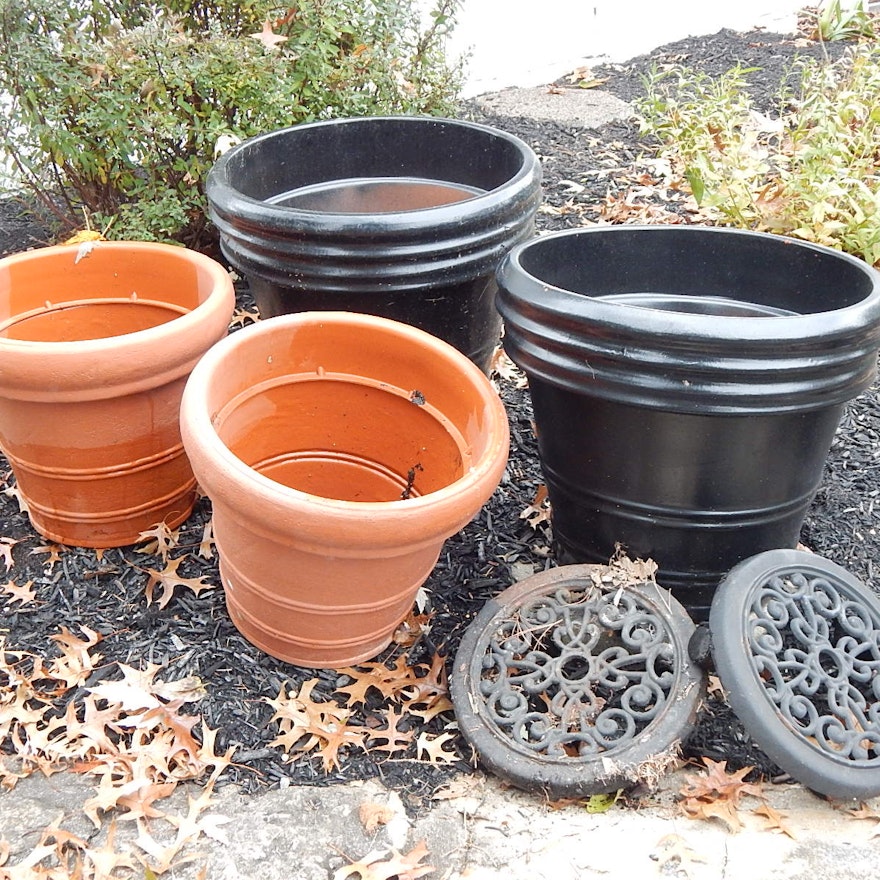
(394, 739)
(158, 540)
(388, 681)
(539, 510)
(53, 557)
(431, 709)
(307, 724)
(23, 593)
(863, 811)
(772, 820)
(76, 662)
(12, 491)
(207, 543)
(114, 787)
(6, 545)
(373, 815)
(332, 738)
(503, 367)
(431, 685)
(711, 809)
(107, 860)
(98, 731)
(383, 865)
(168, 578)
(431, 748)
(717, 794)
(243, 317)
(194, 824)
(411, 628)
(133, 692)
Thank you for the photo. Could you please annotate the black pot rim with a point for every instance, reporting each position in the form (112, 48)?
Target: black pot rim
(651, 322)
(574, 339)
(392, 224)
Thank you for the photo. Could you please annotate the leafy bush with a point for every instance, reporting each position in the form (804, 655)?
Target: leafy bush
(812, 171)
(116, 108)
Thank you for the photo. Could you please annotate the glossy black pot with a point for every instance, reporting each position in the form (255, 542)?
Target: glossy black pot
(687, 383)
(402, 217)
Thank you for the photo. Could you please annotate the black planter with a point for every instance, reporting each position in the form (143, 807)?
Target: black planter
(687, 383)
(402, 217)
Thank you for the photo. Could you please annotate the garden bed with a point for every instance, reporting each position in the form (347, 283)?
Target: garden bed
(145, 615)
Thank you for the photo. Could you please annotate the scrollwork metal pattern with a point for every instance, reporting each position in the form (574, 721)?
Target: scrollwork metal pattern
(816, 651)
(577, 673)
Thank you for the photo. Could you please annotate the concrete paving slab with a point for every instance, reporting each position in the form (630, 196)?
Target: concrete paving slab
(478, 829)
(587, 108)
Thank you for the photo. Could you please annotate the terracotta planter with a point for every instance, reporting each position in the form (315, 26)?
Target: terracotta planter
(403, 217)
(339, 452)
(95, 348)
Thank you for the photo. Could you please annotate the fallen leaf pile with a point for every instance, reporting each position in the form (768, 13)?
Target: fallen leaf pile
(325, 727)
(717, 795)
(129, 734)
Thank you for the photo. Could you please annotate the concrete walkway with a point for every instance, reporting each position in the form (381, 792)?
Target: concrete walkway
(478, 829)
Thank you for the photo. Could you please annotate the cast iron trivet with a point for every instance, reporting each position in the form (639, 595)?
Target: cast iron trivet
(575, 681)
(796, 643)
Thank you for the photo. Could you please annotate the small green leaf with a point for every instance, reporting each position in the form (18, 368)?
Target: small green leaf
(695, 181)
(602, 803)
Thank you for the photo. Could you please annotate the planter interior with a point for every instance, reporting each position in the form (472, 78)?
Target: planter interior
(339, 451)
(766, 271)
(90, 318)
(687, 383)
(402, 217)
(95, 347)
(344, 440)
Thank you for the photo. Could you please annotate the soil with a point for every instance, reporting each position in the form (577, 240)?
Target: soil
(586, 172)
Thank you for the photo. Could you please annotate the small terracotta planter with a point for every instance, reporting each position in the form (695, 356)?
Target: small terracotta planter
(339, 451)
(96, 343)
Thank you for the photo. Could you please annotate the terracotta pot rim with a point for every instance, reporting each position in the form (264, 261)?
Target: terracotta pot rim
(182, 325)
(484, 475)
(25, 364)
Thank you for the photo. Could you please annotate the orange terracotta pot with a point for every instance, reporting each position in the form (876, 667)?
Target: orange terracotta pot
(340, 451)
(95, 348)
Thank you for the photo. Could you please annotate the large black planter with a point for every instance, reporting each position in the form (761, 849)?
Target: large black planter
(687, 383)
(402, 217)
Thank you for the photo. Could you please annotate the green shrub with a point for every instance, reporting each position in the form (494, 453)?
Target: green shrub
(116, 108)
(812, 171)
(838, 21)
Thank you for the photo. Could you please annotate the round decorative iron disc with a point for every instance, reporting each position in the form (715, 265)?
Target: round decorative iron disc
(571, 683)
(796, 643)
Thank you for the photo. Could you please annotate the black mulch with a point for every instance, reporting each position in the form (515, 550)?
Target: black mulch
(193, 635)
